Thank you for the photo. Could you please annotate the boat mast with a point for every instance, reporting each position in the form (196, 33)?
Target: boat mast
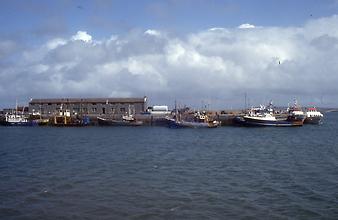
(16, 107)
(245, 103)
(176, 112)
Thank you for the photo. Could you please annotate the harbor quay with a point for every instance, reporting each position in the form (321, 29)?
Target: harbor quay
(88, 111)
(65, 112)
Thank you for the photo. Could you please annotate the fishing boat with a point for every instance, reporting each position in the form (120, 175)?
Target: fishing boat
(65, 119)
(16, 120)
(313, 116)
(295, 112)
(264, 116)
(200, 120)
(126, 120)
(112, 122)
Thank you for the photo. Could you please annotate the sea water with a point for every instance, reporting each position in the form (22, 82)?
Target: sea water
(162, 173)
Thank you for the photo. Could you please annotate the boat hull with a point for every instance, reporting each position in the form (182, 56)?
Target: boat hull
(6, 123)
(244, 121)
(313, 120)
(187, 124)
(111, 122)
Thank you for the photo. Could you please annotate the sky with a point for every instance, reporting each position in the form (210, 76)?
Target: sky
(199, 52)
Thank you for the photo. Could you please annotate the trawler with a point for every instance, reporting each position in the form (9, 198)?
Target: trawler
(16, 120)
(264, 116)
(295, 112)
(313, 116)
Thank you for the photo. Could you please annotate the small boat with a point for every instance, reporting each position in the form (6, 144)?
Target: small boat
(313, 116)
(65, 119)
(112, 122)
(126, 120)
(201, 120)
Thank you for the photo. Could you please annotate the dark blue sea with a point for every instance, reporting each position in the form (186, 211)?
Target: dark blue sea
(162, 173)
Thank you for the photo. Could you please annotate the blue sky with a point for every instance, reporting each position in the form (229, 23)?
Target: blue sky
(106, 17)
(170, 48)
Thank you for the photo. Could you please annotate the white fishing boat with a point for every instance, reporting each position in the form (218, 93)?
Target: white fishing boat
(264, 116)
(313, 116)
(16, 118)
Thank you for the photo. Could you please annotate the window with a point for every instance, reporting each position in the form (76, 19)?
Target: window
(94, 109)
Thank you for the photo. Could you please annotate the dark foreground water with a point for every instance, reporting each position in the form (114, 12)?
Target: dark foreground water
(161, 173)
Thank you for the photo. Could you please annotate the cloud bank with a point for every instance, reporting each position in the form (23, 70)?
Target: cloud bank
(215, 66)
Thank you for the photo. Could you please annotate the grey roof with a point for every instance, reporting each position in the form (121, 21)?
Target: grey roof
(88, 100)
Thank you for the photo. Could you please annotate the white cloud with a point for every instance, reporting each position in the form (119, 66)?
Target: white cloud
(83, 36)
(54, 43)
(152, 32)
(216, 64)
(246, 26)
(217, 29)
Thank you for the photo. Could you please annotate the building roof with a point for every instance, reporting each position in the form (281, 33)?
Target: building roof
(88, 100)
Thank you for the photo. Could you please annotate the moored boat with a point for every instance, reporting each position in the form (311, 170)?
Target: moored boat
(295, 112)
(172, 123)
(65, 119)
(16, 120)
(267, 120)
(126, 120)
(201, 120)
(313, 116)
(264, 116)
(112, 122)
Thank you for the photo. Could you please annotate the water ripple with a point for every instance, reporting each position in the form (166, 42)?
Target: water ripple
(159, 173)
